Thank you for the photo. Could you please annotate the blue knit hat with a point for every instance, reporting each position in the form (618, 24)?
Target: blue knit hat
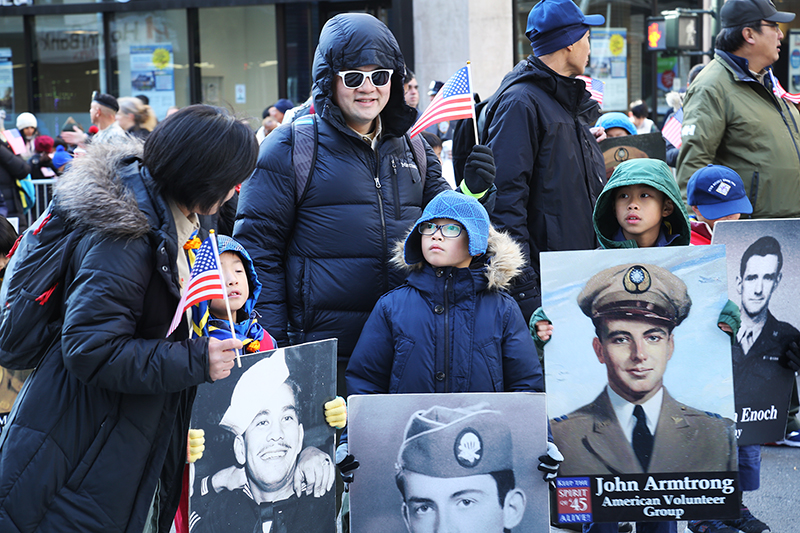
(556, 24)
(61, 157)
(465, 210)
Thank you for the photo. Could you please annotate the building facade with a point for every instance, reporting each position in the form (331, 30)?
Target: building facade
(245, 54)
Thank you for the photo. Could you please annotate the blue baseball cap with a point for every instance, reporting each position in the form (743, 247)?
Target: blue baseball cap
(617, 120)
(717, 191)
(556, 24)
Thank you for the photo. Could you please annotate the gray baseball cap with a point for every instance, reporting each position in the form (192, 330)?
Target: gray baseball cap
(738, 12)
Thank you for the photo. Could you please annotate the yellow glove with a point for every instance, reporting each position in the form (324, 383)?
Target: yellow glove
(195, 445)
(336, 413)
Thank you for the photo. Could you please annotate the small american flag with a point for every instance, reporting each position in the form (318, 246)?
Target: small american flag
(205, 283)
(453, 102)
(15, 140)
(780, 92)
(672, 129)
(595, 88)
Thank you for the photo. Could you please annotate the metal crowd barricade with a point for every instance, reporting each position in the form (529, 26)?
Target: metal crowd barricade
(44, 193)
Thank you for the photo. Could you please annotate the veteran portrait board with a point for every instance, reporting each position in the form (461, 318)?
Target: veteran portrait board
(639, 381)
(763, 276)
(448, 462)
(264, 428)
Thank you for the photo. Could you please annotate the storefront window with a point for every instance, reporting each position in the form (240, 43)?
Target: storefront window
(239, 59)
(68, 63)
(13, 79)
(149, 56)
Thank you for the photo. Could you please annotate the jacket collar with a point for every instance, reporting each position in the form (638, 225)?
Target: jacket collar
(569, 92)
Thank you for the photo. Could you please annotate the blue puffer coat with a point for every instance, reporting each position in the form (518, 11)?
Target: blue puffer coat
(324, 263)
(105, 414)
(449, 330)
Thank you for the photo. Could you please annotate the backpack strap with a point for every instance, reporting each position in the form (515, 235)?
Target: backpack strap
(418, 151)
(304, 153)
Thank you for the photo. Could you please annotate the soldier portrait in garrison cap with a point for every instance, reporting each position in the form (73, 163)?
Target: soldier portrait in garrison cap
(635, 424)
(459, 463)
(455, 472)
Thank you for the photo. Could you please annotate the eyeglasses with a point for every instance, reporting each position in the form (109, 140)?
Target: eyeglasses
(451, 231)
(353, 79)
(773, 25)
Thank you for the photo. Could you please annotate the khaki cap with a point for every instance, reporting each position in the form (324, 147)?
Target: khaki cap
(636, 290)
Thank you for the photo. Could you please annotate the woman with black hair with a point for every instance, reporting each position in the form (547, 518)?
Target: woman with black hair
(98, 438)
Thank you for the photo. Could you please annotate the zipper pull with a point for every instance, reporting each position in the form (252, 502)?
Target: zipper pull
(377, 182)
(394, 167)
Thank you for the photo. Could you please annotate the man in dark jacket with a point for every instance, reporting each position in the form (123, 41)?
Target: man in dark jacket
(324, 260)
(97, 438)
(550, 168)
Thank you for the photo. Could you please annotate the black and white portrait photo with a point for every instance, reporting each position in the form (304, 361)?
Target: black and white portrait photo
(268, 464)
(448, 462)
(763, 272)
(637, 371)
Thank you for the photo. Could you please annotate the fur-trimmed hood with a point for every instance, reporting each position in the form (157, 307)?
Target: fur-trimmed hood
(503, 260)
(93, 194)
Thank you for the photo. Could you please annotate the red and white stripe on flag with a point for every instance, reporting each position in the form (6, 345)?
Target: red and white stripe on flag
(453, 102)
(780, 92)
(595, 87)
(672, 129)
(205, 282)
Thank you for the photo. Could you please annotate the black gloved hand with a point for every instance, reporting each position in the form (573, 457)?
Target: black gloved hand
(347, 468)
(791, 359)
(479, 171)
(549, 462)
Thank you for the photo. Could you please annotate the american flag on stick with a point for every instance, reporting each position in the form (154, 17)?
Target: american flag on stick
(672, 129)
(780, 92)
(453, 102)
(205, 283)
(595, 87)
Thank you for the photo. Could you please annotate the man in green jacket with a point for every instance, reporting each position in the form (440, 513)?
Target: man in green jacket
(733, 118)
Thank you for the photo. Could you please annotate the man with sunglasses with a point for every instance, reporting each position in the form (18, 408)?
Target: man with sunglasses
(324, 254)
(733, 118)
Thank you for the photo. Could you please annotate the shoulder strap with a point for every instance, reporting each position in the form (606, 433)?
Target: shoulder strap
(304, 153)
(489, 108)
(418, 150)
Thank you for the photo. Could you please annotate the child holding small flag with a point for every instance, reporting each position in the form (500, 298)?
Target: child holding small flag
(228, 276)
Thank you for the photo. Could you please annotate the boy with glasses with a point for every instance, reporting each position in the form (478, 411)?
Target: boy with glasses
(452, 327)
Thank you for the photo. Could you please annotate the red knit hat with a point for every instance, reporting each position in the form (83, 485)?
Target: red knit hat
(43, 143)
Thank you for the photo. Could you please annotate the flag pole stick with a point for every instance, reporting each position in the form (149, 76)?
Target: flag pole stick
(474, 119)
(213, 236)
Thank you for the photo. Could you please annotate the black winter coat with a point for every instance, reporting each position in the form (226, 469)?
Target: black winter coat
(12, 168)
(105, 414)
(550, 169)
(324, 263)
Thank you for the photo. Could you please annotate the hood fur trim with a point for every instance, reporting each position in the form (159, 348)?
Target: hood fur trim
(504, 263)
(92, 195)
